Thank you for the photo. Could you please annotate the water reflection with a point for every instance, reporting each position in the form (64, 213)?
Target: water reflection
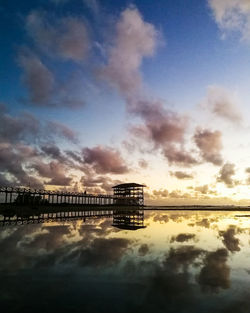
(181, 262)
(130, 219)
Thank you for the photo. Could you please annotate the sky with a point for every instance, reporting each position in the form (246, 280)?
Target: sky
(94, 93)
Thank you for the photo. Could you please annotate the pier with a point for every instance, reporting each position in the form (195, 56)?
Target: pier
(124, 194)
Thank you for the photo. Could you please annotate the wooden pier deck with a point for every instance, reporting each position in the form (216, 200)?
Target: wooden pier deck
(19, 196)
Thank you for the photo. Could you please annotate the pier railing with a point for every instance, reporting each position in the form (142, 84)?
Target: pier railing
(12, 195)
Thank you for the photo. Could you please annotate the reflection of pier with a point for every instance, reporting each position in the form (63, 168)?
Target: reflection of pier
(124, 194)
(130, 219)
(45, 216)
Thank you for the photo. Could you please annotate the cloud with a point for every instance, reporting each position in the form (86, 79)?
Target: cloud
(248, 172)
(44, 88)
(36, 77)
(177, 194)
(103, 252)
(143, 249)
(222, 103)
(93, 5)
(26, 141)
(105, 160)
(210, 145)
(216, 273)
(181, 257)
(162, 218)
(65, 37)
(181, 175)
(226, 173)
(24, 127)
(162, 128)
(52, 151)
(232, 15)
(161, 125)
(204, 223)
(134, 40)
(53, 170)
(178, 156)
(182, 237)
(230, 241)
(143, 164)
(63, 131)
(12, 163)
(27, 128)
(97, 183)
(162, 193)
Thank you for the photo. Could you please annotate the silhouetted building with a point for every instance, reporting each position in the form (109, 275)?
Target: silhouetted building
(129, 194)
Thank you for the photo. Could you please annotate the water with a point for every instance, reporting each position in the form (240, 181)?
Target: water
(175, 261)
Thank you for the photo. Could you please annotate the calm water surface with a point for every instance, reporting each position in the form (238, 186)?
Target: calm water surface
(178, 262)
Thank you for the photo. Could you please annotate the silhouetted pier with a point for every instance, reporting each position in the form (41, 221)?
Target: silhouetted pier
(50, 216)
(129, 219)
(124, 194)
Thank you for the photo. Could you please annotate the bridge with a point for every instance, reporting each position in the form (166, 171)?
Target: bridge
(124, 194)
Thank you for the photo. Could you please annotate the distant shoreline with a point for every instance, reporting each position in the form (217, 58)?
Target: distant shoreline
(197, 208)
(58, 207)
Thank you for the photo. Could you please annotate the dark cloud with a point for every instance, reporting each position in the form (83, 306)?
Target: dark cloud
(52, 151)
(181, 175)
(103, 252)
(163, 128)
(45, 89)
(105, 160)
(61, 130)
(24, 127)
(27, 141)
(12, 163)
(182, 237)
(215, 273)
(65, 37)
(177, 155)
(210, 145)
(36, 77)
(230, 241)
(143, 249)
(161, 125)
(226, 173)
(27, 128)
(204, 223)
(182, 257)
(53, 170)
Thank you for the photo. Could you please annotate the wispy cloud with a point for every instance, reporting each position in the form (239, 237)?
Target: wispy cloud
(232, 15)
(222, 103)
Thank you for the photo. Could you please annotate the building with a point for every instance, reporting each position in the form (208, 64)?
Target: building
(129, 194)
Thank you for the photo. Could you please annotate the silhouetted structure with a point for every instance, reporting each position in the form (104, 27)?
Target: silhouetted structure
(130, 219)
(124, 194)
(20, 217)
(129, 194)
